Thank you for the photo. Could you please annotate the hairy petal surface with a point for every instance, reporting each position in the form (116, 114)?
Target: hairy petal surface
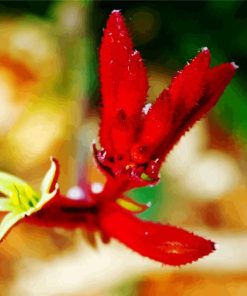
(216, 81)
(156, 127)
(123, 86)
(164, 243)
(188, 86)
(171, 107)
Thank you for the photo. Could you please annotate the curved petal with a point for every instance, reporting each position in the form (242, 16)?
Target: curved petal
(164, 243)
(165, 115)
(51, 177)
(217, 80)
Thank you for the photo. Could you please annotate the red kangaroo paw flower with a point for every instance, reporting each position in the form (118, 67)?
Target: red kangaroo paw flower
(166, 244)
(134, 144)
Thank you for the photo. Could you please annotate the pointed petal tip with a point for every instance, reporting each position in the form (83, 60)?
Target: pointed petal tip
(202, 55)
(166, 244)
(204, 248)
(205, 52)
(210, 247)
(115, 15)
(116, 11)
(115, 18)
(204, 49)
(214, 246)
(53, 159)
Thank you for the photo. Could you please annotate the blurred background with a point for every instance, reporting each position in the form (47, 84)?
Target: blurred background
(49, 99)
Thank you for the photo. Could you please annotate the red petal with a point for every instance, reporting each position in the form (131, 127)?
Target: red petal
(217, 80)
(124, 85)
(172, 106)
(188, 86)
(166, 244)
(157, 125)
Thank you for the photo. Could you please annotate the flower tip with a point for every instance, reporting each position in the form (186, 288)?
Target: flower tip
(115, 20)
(52, 158)
(205, 48)
(116, 11)
(115, 14)
(205, 51)
(235, 66)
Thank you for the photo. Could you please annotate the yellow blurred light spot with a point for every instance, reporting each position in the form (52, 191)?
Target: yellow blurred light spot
(36, 134)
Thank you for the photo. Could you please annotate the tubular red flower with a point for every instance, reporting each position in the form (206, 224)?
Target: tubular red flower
(135, 143)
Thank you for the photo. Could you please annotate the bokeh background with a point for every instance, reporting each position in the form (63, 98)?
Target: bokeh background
(49, 105)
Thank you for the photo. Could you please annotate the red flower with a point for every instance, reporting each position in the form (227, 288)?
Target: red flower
(134, 144)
